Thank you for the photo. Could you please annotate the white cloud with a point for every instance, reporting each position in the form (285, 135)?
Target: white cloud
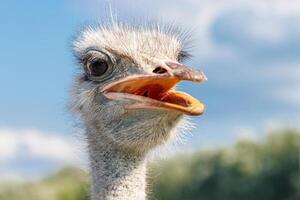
(8, 144)
(275, 124)
(37, 144)
(289, 94)
(42, 145)
(246, 133)
(286, 78)
(289, 71)
(28, 154)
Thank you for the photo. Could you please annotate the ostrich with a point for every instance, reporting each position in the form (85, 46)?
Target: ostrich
(126, 99)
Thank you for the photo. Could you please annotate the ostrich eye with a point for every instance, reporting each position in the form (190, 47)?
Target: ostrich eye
(98, 65)
(97, 68)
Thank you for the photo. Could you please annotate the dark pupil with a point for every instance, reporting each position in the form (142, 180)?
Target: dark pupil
(98, 68)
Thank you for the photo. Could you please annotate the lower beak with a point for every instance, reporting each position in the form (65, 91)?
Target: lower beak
(157, 91)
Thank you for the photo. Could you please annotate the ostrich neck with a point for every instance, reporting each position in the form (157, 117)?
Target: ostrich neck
(116, 174)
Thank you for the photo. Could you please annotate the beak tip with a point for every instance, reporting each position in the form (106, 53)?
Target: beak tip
(201, 78)
(204, 77)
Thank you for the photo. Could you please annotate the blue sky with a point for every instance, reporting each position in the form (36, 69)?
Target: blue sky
(250, 52)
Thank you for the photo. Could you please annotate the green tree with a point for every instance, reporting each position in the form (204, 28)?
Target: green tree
(248, 171)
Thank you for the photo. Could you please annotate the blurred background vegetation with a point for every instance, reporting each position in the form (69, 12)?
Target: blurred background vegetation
(248, 170)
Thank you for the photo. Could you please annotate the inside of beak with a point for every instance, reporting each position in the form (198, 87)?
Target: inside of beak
(156, 92)
(152, 87)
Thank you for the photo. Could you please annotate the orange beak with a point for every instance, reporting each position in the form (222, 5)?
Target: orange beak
(157, 90)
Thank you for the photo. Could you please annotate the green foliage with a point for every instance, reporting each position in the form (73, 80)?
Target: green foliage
(246, 171)
(68, 184)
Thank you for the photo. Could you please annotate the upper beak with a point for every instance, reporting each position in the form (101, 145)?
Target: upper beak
(183, 72)
(156, 90)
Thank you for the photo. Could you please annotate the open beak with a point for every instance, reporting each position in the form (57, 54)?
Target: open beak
(157, 90)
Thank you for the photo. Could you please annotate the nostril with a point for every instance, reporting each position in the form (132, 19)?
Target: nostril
(159, 70)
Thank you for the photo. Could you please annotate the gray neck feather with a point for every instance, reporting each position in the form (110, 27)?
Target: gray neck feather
(116, 174)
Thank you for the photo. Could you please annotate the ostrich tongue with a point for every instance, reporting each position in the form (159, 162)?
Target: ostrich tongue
(151, 91)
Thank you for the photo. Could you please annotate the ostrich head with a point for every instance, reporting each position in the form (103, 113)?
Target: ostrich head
(125, 91)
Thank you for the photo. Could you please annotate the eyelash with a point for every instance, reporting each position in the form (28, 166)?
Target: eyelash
(182, 55)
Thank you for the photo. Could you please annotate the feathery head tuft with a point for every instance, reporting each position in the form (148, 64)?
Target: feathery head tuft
(137, 42)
